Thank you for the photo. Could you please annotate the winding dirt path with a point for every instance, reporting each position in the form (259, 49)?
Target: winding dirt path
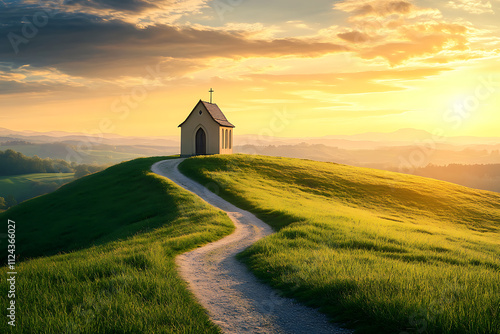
(233, 297)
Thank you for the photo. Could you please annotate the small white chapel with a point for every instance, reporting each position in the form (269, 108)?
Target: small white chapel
(206, 131)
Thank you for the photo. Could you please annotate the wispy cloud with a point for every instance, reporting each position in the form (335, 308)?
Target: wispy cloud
(383, 8)
(472, 6)
(352, 83)
(400, 31)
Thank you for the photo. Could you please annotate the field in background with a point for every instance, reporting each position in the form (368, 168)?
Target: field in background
(88, 149)
(23, 187)
(102, 155)
(97, 255)
(389, 252)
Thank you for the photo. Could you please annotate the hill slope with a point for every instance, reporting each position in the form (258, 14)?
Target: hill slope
(122, 228)
(392, 252)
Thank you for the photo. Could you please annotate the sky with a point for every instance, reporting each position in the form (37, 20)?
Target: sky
(287, 68)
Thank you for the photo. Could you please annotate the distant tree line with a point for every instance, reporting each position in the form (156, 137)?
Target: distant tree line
(15, 163)
(477, 176)
(16, 142)
(489, 170)
(84, 169)
(8, 202)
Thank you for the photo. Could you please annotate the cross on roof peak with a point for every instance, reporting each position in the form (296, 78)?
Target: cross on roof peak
(211, 91)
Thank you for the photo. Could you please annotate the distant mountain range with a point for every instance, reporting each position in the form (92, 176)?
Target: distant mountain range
(406, 150)
(374, 149)
(103, 138)
(402, 137)
(101, 149)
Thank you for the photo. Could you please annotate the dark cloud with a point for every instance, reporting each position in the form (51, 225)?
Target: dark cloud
(8, 87)
(87, 45)
(354, 36)
(400, 7)
(376, 7)
(121, 5)
(364, 9)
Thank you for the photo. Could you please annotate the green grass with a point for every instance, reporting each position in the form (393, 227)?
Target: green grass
(27, 186)
(386, 252)
(97, 255)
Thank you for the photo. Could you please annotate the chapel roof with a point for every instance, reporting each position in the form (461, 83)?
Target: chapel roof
(215, 112)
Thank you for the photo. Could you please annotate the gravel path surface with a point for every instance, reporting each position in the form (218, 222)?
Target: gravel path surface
(233, 297)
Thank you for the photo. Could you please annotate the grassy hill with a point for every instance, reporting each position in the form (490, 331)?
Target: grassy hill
(97, 255)
(27, 186)
(391, 253)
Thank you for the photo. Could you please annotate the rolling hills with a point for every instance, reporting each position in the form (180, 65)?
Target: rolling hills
(388, 252)
(27, 186)
(97, 255)
(96, 153)
(382, 251)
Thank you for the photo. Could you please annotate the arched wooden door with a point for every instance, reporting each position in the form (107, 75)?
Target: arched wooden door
(201, 142)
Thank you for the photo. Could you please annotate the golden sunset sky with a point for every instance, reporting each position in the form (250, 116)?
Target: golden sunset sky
(138, 67)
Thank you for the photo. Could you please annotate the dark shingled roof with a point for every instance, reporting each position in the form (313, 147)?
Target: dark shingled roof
(215, 112)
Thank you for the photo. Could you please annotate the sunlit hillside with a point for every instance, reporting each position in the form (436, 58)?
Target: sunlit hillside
(383, 250)
(97, 255)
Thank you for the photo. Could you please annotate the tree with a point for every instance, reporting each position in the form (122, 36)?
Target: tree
(15, 163)
(81, 171)
(10, 201)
